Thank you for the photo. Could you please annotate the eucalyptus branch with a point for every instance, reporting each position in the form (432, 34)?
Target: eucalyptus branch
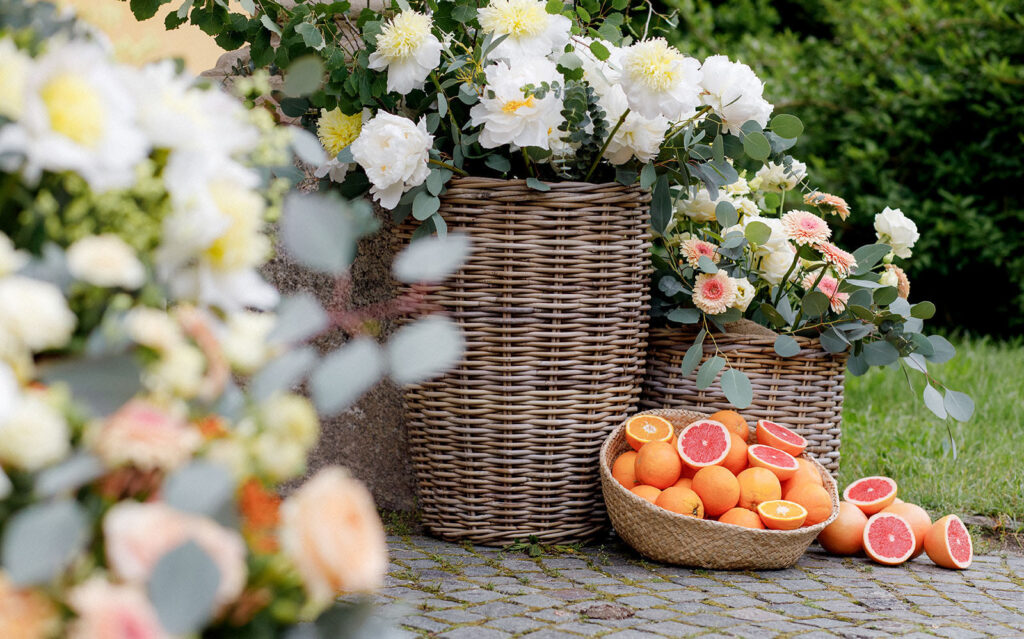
(450, 167)
(785, 279)
(814, 287)
(604, 147)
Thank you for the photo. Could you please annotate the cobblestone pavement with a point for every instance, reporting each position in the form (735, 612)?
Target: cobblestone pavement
(438, 589)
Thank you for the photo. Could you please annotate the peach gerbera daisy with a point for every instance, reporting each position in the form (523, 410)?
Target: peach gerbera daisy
(804, 227)
(830, 287)
(828, 203)
(840, 260)
(694, 248)
(714, 294)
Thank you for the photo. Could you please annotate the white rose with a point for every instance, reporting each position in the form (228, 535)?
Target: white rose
(394, 152)
(777, 178)
(700, 206)
(746, 207)
(897, 230)
(889, 278)
(107, 261)
(11, 259)
(34, 435)
(245, 343)
(773, 265)
(739, 187)
(508, 115)
(744, 293)
(35, 313)
(153, 328)
(734, 93)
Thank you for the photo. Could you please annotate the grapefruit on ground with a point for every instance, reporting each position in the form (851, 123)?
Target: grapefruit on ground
(624, 469)
(704, 443)
(681, 500)
(845, 535)
(948, 543)
(658, 465)
(717, 488)
(757, 485)
(650, 493)
(742, 517)
(736, 460)
(641, 429)
(888, 539)
(814, 498)
(916, 517)
(780, 514)
(734, 422)
(781, 463)
(871, 494)
(778, 436)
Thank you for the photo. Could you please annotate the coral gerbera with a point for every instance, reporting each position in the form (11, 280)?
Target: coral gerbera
(714, 294)
(804, 227)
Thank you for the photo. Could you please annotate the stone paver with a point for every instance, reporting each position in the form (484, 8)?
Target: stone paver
(436, 589)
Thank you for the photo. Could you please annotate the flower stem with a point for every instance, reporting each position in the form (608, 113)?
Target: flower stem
(785, 279)
(814, 287)
(452, 168)
(607, 141)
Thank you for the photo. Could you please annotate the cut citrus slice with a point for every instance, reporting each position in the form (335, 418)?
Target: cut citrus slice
(778, 436)
(918, 519)
(948, 543)
(871, 494)
(704, 443)
(778, 461)
(780, 514)
(641, 429)
(888, 539)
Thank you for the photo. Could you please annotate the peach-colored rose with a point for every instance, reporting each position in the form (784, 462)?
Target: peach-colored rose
(331, 530)
(108, 611)
(26, 614)
(147, 437)
(138, 535)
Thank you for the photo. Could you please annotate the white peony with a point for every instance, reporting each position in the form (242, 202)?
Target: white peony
(11, 259)
(897, 230)
(531, 30)
(34, 313)
(245, 341)
(602, 75)
(106, 261)
(777, 178)
(408, 50)
(14, 71)
(659, 80)
(700, 205)
(638, 136)
(734, 93)
(510, 116)
(33, 436)
(394, 152)
(744, 293)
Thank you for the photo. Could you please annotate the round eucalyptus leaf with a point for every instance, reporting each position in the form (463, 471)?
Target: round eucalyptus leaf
(708, 371)
(786, 346)
(182, 588)
(737, 388)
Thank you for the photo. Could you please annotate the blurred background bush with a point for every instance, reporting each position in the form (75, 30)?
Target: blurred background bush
(915, 104)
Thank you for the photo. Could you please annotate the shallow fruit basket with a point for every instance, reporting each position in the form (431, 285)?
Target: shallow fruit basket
(677, 539)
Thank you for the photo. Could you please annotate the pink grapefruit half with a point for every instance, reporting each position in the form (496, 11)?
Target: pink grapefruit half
(948, 543)
(778, 461)
(889, 539)
(778, 436)
(705, 442)
(871, 494)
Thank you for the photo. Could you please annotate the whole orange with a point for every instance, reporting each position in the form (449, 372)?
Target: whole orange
(681, 500)
(717, 488)
(684, 482)
(806, 472)
(845, 535)
(814, 498)
(624, 469)
(658, 465)
(742, 517)
(650, 493)
(758, 485)
(736, 460)
(734, 422)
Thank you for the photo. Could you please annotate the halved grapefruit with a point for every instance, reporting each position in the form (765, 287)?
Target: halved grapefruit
(704, 443)
(871, 494)
(889, 539)
(918, 519)
(948, 543)
(780, 514)
(641, 429)
(778, 436)
(778, 461)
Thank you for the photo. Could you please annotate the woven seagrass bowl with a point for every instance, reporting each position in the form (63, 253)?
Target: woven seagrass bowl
(672, 538)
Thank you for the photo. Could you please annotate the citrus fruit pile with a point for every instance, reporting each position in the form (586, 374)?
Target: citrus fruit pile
(710, 470)
(891, 531)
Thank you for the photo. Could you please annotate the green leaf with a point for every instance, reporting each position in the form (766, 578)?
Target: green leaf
(885, 295)
(661, 205)
(249, 6)
(269, 23)
(553, 6)
(442, 105)
(683, 315)
(600, 51)
(773, 315)
(201, 487)
(648, 175)
(787, 126)
(734, 239)
(307, 146)
(670, 286)
(933, 400)
(706, 265)
(785, 310)
(772, 201)
(182, 588)
(815, 304)
(499, 163)
(41, 541)
(959, 405)
(570, 61)
(786, 346)
(833, 341)
(425, 205)
(737, 388)
(708, 371)
(757, 233)
(100, 384)
(863, 313)
(283, 373)
(693, 355)
(299, 317)
(944, 351)
(304, 76)
(319, 232)
(345, 375)
(437, 179)
(880, 353)
(726, 214)
(923, 310)
(69, 475)
(146, 9)
(869, 255)
(756, 146)
(536, 184)
(857, 364)
(424, 349)
(431, 259)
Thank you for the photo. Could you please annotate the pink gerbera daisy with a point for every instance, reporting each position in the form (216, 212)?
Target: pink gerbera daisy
(804, 227)
(840, 260)
(714, 294)
(830, 287)
(694, 248)
(828, 203)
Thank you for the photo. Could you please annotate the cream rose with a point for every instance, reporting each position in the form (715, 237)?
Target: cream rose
(35, 313)
(106, 261)
(34, 435)
(897, 230)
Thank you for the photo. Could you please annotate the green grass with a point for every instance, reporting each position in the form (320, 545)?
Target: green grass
(888, 431)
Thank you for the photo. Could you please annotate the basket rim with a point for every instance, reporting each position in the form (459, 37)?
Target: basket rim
(667, 515)
(807, 343)
(560, 184)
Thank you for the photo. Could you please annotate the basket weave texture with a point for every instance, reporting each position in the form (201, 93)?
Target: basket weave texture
(803, 392)
(686, 541)
(553, 303)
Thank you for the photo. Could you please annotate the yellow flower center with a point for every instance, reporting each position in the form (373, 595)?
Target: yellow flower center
(514, 105)
(337, 130)
(243, 244)
(517, 18)
(400, 37)
(75, 109)
(653, 63)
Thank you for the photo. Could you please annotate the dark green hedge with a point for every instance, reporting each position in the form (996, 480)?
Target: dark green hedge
(915, 104)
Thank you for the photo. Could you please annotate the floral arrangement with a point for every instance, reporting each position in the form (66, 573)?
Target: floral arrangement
(146, 368)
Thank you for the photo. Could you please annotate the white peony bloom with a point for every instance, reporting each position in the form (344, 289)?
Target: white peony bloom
(11, 259)
(408, 50)
(78, 116)
(510, 116)
(777, 178)
(394, 152)
(700, 206)
(245, 342)
(33, 436)
(531, 30)
(602, 75)
(34, 313)
(897, 230)
(744, 293)
(659, 80)
(734, 93)
(638, 136)
(106, 261)
(14, 71)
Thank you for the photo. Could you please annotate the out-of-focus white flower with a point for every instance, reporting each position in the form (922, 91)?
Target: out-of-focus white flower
(14, 72)
(510, 116)
(744, 293)
(659, 80)
(897, 230)
(699, 207)
(78, 116)
(34, 313)
(154, 328)
(734, 93)
(34, 435)
(279, 458)
(293, 418)
(108, 611)
(107, 261)
(146, 437)
(11, 259)
(531, 30)
(777, 178)
(245, 342)
(638, 136)
(178, 372)
(10, 391)
(394, 152)
(408, 50)
(231, 454)
(714, 294)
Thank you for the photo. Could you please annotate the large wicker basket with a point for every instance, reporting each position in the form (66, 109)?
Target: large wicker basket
(678, 539)
(554, 306)
(803, 392)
